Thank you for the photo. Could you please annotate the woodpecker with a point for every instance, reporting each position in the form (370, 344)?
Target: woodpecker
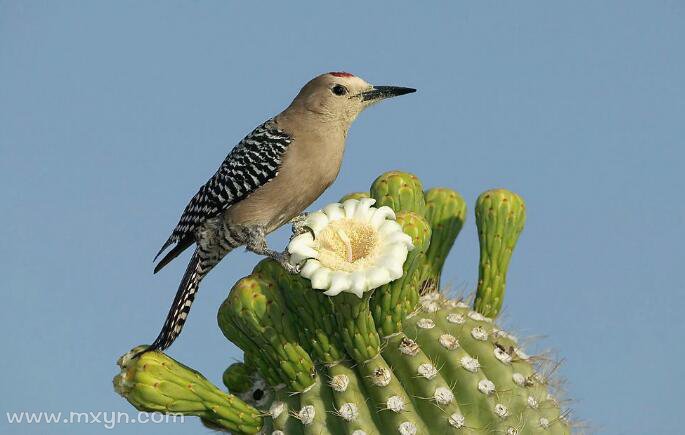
(267, 180)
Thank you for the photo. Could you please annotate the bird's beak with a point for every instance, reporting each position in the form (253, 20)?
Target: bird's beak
(378, 93)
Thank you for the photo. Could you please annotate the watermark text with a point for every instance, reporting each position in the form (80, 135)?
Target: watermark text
(106, 419)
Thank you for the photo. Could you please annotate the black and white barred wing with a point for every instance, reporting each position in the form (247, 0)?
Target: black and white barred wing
(251, 164)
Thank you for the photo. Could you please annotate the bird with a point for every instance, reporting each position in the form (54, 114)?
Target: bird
(267, 180)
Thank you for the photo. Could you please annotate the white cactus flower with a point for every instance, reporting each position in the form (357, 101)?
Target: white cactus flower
(354, 247)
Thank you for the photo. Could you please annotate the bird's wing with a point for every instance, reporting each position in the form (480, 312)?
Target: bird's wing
(252, 163)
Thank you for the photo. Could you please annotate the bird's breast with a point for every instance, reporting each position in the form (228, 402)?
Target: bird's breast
(307, 170)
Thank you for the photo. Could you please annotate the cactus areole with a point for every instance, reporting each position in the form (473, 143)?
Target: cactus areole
(363, 342)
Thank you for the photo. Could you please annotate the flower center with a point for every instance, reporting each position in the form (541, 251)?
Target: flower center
(346, 245)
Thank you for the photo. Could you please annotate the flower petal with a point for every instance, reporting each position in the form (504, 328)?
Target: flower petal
(303, 250)
(317, 221)
(358, 279)
(309, 268)
(363, 212)
(296, 259)
(350, 207)
(383, 260)
(334, 211)
(370, 201)
(389, 227)
(357, 292)
(398, 238)
(396, 251)
(340, 282)
(381, 215)
(321, 278)
(393, 266)
(377, 277)
(300, 242)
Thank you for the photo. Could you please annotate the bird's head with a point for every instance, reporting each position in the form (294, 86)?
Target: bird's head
(341, 96)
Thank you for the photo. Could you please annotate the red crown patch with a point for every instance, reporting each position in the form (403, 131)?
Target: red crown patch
(341, 74)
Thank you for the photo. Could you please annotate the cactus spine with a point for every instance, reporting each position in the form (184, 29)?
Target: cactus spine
(401, 359)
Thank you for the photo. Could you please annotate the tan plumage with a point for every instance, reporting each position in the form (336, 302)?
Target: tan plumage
(318, 121)
(271, 177)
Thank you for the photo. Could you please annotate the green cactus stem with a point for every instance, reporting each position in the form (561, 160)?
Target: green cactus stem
(423, 381)
(238, 378)
(500, 217)
(357, 328)
(445, 213)
(350, 402)
(391, 303)
(313, 314)
(355, 195)
(499, 390)
(313, 412)
(153, 382)
(254, 317)
(285, 414)
(401, 359)
(401, 191)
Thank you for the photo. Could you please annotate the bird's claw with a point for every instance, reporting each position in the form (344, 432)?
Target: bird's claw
(293, 269)
(299, 218)
(283, 258)
(300, 226)
(301, 229)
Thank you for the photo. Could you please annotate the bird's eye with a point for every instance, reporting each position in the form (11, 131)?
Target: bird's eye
(339, 90)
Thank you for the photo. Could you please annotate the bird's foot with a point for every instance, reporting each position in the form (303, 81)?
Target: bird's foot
(299, 218)
(300, 226)
(256, 242)
(283, 258)
(302, 230)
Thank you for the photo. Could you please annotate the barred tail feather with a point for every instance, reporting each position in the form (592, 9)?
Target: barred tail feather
(181, 246)
(185, 295)
(170, 241)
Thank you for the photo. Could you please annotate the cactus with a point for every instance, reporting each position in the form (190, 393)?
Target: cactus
(355, 195)
(500, 216)
(445, 213)
(402, 358)
(400, 191)
(155, 382)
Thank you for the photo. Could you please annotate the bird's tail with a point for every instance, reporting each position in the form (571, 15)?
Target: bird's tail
(185, 295)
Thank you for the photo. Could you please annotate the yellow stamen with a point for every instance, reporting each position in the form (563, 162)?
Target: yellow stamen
(347, 242)
(347, 245)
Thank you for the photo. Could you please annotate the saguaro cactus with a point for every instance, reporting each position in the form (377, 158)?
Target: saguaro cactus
(399, 358)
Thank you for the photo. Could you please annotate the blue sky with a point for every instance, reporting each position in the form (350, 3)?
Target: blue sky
(113, 113)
